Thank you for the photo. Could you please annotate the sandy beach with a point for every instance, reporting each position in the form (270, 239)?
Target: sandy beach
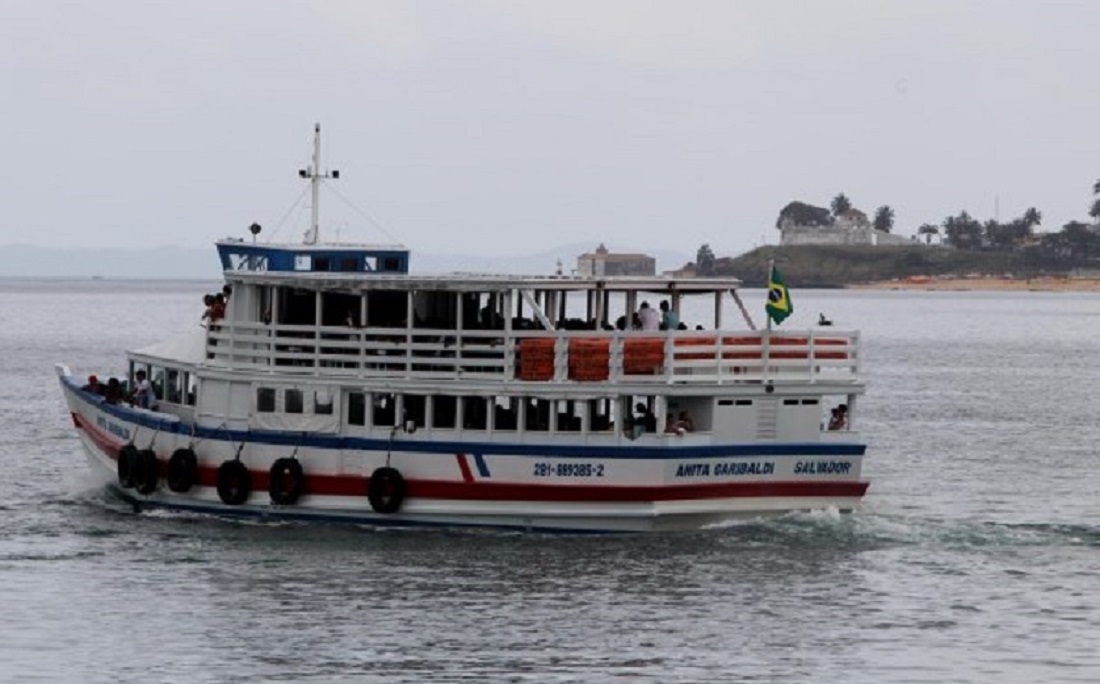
(1041, 284)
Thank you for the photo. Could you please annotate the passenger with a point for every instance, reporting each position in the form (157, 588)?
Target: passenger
(227, 290)
(113, 393)
(672, 426)
(208, 302)
(685, 422)
(839, 418)
(217, 311)
(644, 418)
(670, 320)
(682, 326)
(93, 385)
(649, 317)
(143, 391)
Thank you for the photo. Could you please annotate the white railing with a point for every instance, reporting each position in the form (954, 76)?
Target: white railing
(688, 357)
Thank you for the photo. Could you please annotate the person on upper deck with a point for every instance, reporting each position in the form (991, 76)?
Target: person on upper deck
(670, 320)
(651, 320)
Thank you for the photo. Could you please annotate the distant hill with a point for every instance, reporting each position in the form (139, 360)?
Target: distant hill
(837, 266)
(175, 263)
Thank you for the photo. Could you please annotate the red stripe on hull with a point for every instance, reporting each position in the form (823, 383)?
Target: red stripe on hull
(472, 490)
(467, 476)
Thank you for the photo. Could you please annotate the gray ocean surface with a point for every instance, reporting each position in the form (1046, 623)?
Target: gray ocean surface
(976, 557)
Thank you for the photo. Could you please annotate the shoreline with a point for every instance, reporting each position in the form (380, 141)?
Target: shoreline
(990, 284)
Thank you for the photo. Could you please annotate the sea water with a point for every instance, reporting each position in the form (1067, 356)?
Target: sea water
(976, 557)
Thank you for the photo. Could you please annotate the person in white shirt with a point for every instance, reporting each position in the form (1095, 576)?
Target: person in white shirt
(651, 320)
(143, 391)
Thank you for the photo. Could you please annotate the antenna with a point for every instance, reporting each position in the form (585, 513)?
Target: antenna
(313, 173)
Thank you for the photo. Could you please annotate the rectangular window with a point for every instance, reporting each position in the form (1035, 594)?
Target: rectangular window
(175, 386)
(505, 411)
(538, 415)
(391, 264)
(357, 408)
(265, 400)
(443, 412)
(600, 417)
(292, 401)
(385, 410)
(568, 418)
(190, 383)
(303, 262)
(322, 403)
(475, 413)
(320, 264)
(415, 407)
(790, 402)
(744, 402)
(349, 264)
(809, 402)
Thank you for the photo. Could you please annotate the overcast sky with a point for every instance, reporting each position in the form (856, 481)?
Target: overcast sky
(510, 127)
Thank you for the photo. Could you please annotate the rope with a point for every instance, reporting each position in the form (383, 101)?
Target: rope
(362, 213)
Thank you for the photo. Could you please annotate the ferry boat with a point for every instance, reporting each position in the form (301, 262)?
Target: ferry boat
(340, 387)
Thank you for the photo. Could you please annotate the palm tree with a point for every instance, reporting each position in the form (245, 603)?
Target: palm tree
(842, 204)
(1095, 211)
(884, 219)
(928, 230)
(1096, 188)
(1033, 217)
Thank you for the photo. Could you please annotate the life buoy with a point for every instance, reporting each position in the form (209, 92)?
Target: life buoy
(234, 483)
(146, 473)
(386, 490)
(286, 481)
(126, 456)
(183, 470)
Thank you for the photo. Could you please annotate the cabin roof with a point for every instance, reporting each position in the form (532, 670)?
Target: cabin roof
(468, 282)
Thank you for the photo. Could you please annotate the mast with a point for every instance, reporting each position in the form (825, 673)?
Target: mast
(313, 173)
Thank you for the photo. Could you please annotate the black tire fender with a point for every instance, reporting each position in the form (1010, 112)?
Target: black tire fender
(386, 490)
(126, 457)
(146, 471)
(183, 470)
(286, 481)
(234, 483)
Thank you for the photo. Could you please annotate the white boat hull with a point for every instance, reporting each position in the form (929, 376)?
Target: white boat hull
(677, 489)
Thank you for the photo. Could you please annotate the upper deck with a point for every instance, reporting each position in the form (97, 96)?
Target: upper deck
(550, 333)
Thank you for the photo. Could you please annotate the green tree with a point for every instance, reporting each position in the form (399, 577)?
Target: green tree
(802, 214)
(928, 230)
(884, 219)
(1094, 211)
(704, 260)
(840, 204)
(1032, 217)
(963, 231)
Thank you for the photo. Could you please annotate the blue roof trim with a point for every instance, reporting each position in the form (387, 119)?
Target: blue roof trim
(247, 256)
(792, 449)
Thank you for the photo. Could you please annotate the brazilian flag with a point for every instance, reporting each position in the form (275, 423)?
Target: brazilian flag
(779, 304)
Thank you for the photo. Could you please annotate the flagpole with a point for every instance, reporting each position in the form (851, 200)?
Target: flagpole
(771, 274)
